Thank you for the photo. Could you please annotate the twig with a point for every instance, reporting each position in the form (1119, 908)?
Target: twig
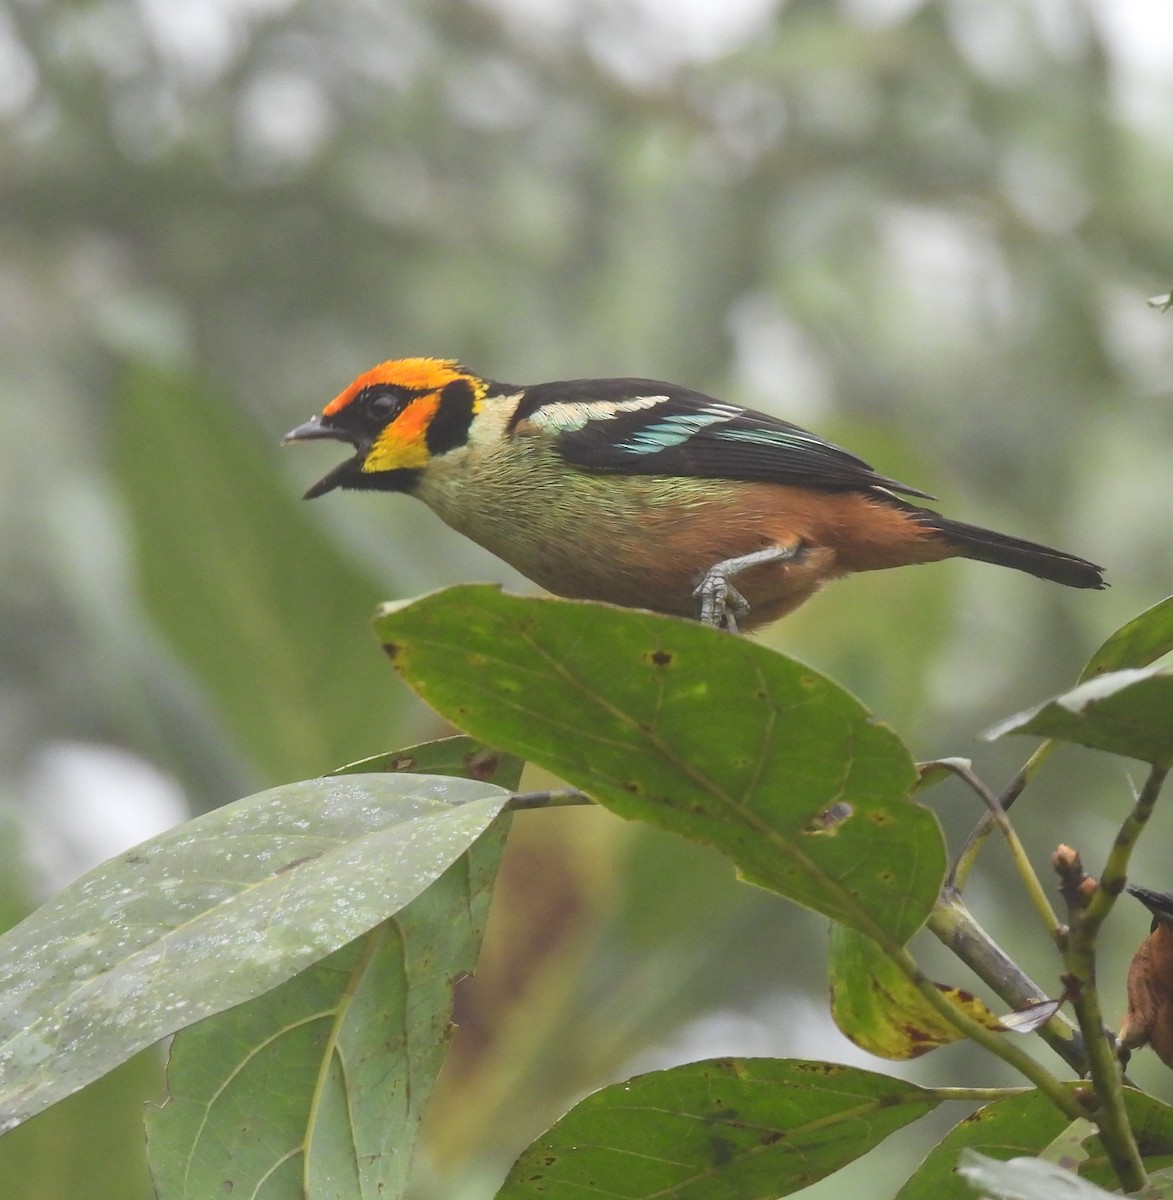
(1060, 1094)
(1079, 947)
(977, 1095)
(953, 924)
(997, 817)
(977, 838)
(1115, 874)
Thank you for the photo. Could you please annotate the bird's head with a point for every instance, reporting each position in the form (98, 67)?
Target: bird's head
(398, 416)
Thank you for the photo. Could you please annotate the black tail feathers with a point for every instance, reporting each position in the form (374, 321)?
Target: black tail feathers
(987, 546)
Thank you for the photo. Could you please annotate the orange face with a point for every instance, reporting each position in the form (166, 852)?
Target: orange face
(403, 443)
(397, 416)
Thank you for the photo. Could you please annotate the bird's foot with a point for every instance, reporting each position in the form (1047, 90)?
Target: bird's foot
(719, 603)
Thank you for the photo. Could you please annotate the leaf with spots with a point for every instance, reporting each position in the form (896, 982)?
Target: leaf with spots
(693, 730)
(1016, 1125)
(316, 1088)
(214, 913)
(876, 1006)
(461, 756)
(750, 1129)
(1028, 1125)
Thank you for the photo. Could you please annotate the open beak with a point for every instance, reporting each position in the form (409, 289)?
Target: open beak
(314, 430)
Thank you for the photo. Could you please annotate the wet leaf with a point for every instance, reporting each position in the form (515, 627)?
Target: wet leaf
(333, 1067)
(214, 913)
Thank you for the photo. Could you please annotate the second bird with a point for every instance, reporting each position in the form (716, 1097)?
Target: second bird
(645, 494)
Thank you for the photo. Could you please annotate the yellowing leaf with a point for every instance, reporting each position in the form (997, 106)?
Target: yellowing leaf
(875, 1005)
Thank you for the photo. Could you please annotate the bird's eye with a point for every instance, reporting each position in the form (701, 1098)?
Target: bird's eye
(384, 404)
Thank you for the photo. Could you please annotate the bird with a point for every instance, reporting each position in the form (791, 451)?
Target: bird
(1150, 983)
(645, 494)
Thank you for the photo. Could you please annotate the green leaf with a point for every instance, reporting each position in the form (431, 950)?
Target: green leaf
(316, 1088)
(461, 756)
(1141, 642)
(1018, 1125)
(1152, 1126)
(875, 1006)
(737, 1128)
(250, 592)
(705, 734)
(1027, 1125)
(1124, 712)
(1160, 1187)
(214, 913)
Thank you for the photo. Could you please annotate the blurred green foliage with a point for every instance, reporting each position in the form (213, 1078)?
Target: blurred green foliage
(925, 229)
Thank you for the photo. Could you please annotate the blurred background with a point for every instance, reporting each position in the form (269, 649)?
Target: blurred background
(926, 229)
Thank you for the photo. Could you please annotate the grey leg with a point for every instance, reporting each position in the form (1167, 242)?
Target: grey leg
(720, 602)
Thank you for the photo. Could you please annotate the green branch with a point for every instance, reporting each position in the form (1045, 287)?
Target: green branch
(997, 817)
(955, 927)
(977, 838)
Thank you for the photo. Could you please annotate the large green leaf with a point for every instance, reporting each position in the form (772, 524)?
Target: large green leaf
(691, 729)
(1140, 642)
(316, 1088)
(1126, 712)
(251, 593)
(214, 913)
(726, 1129)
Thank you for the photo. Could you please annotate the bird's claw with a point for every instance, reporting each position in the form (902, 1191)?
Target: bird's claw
(721, 604)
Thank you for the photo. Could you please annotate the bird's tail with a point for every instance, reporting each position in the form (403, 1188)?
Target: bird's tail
(987, 546)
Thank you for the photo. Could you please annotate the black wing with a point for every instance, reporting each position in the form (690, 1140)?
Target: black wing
(644, 427)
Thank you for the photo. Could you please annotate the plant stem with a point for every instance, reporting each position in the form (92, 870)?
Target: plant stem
(1058, 1093)
(997, 816)
(1104, 1067)
(1115, 874)
(1087, 907)
(978, 1095)
(977, 838)
(953, 924)
(1106, 1072)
